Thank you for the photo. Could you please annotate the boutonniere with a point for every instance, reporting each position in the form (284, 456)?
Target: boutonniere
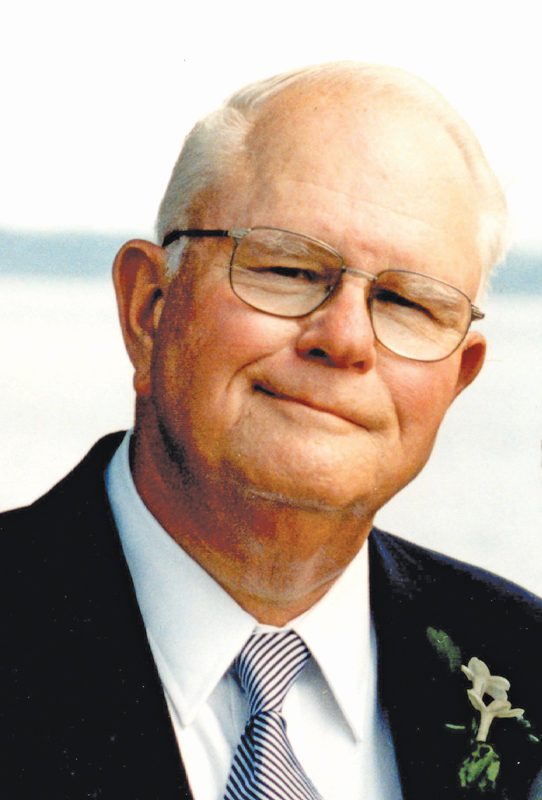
(482, 766)
(488, 695)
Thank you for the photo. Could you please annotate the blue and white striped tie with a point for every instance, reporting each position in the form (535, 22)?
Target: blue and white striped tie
(264, 766)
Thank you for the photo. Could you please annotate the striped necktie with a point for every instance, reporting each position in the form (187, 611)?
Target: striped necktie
(264, 765)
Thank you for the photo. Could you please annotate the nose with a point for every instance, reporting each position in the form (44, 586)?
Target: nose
(340, 333)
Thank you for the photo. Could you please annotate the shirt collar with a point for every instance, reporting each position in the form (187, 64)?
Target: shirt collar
(196, 629)
(337, 630)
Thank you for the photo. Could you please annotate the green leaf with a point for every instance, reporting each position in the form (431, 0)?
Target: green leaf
(492, 772)
(480, 769)
(446, 649)
(532, 735)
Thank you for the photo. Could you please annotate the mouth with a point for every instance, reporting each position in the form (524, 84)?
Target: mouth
(265, 389)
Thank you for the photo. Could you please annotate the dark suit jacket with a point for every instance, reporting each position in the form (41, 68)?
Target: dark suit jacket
(83, 714)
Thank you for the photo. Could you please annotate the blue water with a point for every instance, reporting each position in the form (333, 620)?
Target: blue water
(84, 255)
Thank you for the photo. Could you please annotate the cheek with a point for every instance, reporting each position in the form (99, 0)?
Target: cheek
(422, 394)
(206, 343)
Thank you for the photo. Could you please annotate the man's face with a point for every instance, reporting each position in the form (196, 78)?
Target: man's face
(314, 410)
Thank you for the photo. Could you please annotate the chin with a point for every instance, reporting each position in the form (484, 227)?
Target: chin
(324, 490)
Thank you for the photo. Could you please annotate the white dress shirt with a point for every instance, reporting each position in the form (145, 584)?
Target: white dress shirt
(195, 630)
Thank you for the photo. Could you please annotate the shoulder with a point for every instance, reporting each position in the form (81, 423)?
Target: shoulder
(471, 604)
(417, 570)
(72, 496)
(63, 570)
(42, 542)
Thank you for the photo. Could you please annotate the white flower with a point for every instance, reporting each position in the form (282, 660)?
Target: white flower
(497, 708)
(483, 682)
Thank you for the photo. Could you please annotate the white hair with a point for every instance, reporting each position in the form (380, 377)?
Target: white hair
(217, 146)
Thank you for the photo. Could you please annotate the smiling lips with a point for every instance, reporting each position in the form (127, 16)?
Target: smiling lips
(265, 389)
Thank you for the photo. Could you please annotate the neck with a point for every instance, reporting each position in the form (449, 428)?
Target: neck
(275, 558)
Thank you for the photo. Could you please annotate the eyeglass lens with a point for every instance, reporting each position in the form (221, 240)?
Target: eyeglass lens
(290, 275)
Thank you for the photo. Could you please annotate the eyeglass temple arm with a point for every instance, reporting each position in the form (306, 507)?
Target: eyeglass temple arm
(194, 233)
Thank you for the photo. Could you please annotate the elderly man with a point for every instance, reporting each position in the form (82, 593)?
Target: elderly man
(203, 609)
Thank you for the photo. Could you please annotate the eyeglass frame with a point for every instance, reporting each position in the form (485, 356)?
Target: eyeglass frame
(237, 234)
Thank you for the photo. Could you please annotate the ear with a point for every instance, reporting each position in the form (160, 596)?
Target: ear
(473, 353)
(140, 278)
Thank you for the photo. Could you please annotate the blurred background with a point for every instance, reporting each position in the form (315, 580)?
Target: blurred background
(97, 98)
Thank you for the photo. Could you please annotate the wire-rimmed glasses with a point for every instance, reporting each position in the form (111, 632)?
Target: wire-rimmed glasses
(288, 274)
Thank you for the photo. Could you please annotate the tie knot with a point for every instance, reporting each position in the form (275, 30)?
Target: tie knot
(267, 666)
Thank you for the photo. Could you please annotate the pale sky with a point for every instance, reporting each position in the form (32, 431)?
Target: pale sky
(97, 97)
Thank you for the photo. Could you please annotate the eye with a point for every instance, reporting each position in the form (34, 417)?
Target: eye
(298, 274)
(388, 296)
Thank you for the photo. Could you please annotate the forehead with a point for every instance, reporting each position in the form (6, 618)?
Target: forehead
(362, 171)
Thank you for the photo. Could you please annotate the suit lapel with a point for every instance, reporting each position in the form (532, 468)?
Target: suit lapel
(97, 721)
(421, 691)
(416, 689)
(123, 680)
